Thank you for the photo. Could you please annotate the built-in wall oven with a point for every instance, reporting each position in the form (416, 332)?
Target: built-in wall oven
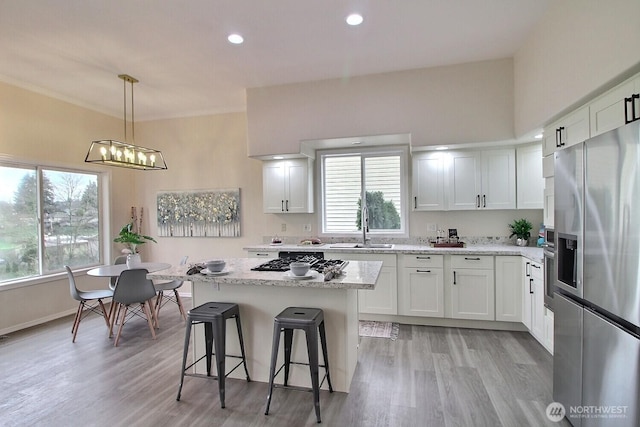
(549, 266)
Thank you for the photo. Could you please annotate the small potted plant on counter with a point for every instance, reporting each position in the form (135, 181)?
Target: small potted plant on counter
(521, 228)
(132, 240)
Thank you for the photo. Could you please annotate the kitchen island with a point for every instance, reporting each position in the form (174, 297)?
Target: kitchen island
(261, 295)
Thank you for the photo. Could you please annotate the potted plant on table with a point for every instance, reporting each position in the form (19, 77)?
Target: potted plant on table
(521, 228)
(132, 240)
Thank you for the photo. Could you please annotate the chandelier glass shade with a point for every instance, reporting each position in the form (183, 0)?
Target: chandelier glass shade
(125, 154)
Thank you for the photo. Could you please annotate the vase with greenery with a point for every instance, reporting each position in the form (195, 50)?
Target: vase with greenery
(132, 239)
(521, 229)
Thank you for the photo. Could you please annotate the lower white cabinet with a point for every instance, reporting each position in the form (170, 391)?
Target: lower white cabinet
(509, 288)
(472, 287)
(533, 301)
(421, 287)
(548, 330)
(384, 298)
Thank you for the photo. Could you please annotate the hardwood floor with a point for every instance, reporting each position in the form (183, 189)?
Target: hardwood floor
(429, 376)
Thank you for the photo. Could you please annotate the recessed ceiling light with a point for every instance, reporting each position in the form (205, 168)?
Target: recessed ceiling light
(441, 148)
(354, 19)
(356, 143)
(235, 38)
(278, 157)
(538, 136)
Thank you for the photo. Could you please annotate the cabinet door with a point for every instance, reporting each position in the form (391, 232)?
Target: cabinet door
(509, 288)
(421, 292)
(575, 127)
(384, 298)
(527, 293)
(273, 185)
(548, 330)
(537, 308)
(498, 179)
(428, 182)
(472, 294)
(530, 177)
(549, 141)
(464, 178)
(607, 112)
(549, 203)
(297, 186)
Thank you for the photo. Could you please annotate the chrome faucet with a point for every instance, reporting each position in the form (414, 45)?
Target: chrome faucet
(365, 224)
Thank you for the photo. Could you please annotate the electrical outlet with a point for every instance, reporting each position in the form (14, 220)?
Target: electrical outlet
(283, 227)
(432, 227)
(306, 228)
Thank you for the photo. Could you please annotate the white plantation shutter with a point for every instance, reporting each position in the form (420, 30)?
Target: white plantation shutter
(342, 183)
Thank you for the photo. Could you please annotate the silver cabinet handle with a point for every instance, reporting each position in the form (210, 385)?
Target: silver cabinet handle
(477, 201)
(282, 205)
(287, 205)
(423, 257)
(530, 287)
(484, 200)
(454, 278)
(527, 269)
(424, 271)
(471, 259)
(415, 202)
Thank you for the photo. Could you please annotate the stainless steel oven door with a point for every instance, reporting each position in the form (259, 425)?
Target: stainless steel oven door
(549, 277)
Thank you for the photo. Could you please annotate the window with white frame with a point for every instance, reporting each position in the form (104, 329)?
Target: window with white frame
(379, 175)
(48, 218)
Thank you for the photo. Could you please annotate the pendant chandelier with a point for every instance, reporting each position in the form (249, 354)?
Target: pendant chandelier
(125, 154)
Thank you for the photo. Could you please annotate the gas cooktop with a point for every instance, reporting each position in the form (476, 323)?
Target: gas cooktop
(282, 264)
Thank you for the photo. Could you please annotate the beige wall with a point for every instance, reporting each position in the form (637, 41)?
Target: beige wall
(41, 130)
(444, 105)
(579, 47)
(207, 152)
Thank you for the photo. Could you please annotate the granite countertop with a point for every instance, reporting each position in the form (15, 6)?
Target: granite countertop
(533, 253)
(356, 275)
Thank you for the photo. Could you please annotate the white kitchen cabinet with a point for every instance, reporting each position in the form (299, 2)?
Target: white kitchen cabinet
(548, 168)
(384, 298)
(533, 299)
(262, 254)
(288, 186)
(549, 204)
(569, 130)
(548, 330)
(527, 293)
(614, 108)
(472, 287)
(421, 287)
(482, 179)
(508, 272)
(428, 181)
(530, 180)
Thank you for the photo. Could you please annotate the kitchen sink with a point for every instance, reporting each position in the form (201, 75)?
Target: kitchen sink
(362, 246)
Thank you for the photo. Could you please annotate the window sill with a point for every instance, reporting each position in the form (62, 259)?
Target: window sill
(39, 280)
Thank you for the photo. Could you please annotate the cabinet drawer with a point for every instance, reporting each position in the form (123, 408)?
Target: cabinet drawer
(262, 254)
(415, 260)
(536, 270)
(472, 261)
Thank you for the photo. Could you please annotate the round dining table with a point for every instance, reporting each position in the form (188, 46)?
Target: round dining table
(116, 269)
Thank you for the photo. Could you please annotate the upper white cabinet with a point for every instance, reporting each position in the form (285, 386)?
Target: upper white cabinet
(568, 131)
(530, 180)
(428, 181)
(616, 107)
(288, 186)
(482, 179)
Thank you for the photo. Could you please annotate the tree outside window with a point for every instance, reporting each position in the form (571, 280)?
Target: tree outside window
(48, 219)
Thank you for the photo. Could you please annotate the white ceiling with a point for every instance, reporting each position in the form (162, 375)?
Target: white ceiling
(74, 49)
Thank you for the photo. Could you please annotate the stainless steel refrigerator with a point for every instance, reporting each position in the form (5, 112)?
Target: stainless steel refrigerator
(597, 318)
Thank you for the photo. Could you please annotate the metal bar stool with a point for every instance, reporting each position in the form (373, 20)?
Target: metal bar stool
(214, 316)
(311, 321)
